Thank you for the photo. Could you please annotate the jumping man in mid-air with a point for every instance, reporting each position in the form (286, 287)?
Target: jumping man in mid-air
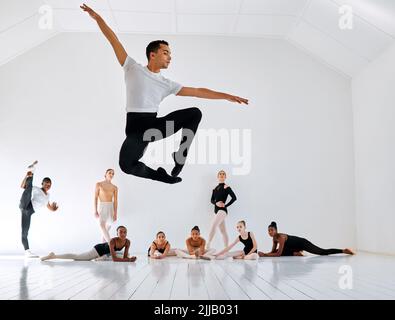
(145, 89)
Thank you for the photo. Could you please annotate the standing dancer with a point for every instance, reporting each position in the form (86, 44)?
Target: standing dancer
(145, 90)
(33, 198)
(218, 199)
(107, 193)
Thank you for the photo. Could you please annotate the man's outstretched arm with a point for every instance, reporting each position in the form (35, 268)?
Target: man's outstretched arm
(209, 94)
(120, 51)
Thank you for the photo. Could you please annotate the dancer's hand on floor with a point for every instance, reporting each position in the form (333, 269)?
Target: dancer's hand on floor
(237, 99)
(91, 12)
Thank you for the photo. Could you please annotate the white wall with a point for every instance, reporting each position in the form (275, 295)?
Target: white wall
(63, 104)
(374, 122)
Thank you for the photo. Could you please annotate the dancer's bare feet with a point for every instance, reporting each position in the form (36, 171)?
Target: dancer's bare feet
(261, 254)
(50, 256)
(348, 251)
(132, 259)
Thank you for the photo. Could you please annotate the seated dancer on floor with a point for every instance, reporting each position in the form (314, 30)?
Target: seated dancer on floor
(101, 250)
(287, 245)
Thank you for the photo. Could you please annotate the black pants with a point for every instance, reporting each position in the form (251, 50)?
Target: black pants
(27, 210)
(145, 127)
(306, 245)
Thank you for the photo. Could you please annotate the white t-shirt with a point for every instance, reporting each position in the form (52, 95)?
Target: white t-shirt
(39, 198)
(145, 89)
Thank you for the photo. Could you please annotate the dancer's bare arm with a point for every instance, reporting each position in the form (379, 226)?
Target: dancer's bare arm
(23, 184)
(210, 94)
(277, 253)
(255, 245)
(115, 217)
(228, 248)
(119, 50)
(97, 190)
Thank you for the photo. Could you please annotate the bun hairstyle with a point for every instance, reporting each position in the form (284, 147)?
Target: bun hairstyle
(242, 222)
(273, 225)
(196, 228)
(108, 170)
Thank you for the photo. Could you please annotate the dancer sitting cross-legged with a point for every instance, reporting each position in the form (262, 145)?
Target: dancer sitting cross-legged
(287, 245)
(100, 250)
(250, 245)
(196, 247)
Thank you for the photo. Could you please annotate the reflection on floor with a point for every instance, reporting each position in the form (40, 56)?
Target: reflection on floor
(364, 276)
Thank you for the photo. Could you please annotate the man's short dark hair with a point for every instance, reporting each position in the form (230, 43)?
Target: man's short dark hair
(153, 46)
(46, 179)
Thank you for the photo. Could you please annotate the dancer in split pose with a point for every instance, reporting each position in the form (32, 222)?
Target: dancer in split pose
(196, 247)
(100, 250)
(160, 247)
(107, 193)
(146, 87)
(247, 239)
(33, 198)
(218, 199)
(286, 245)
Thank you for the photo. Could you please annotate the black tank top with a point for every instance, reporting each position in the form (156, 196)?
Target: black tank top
(248, 244)
(103, 248)
(156, 247)
(220, 194)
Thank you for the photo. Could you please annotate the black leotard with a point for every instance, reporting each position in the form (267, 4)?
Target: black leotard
(103, 248)
(156, 248)
(297, 244)
(220, 194)
(248, 244)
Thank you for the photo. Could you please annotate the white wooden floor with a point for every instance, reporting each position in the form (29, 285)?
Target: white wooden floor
(173, 278)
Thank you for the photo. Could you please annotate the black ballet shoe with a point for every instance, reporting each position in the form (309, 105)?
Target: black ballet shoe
(164, 177)
(177, 168)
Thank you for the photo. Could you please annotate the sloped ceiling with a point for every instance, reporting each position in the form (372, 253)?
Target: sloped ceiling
(311, 25)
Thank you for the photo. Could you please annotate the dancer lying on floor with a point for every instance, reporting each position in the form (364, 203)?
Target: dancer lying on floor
(250, 245)
(196, 247)
(160, 247)
(100, 250)
(286, 245)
